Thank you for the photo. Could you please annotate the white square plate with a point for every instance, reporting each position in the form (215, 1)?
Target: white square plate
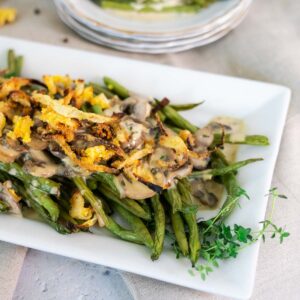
(262, 106)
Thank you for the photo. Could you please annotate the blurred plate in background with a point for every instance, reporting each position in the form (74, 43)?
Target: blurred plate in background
(164, 33)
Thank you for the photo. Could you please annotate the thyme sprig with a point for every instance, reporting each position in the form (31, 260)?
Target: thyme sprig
(221, 241)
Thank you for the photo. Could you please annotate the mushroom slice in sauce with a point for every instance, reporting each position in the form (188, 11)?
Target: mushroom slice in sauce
(134, 189)
(37, 143)
(40, 165)
(8, 154)
(182, 172)
(133, 133)
(163, 158)
(236, 129)
(204, 137)
(209, 196)
(137, 107)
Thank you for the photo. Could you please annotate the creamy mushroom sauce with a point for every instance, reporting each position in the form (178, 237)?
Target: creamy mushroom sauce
(236, 128)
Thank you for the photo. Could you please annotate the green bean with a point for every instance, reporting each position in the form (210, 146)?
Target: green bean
(41, 183)
(3, 206)
(255, 140)
(92, 183)
(116, 87)
(11, 61)
(124, 234)
(18, 65)
(97, 109)
(160, 227)
(106, 207)
(191, 221)
(131, 205)
(176, 119)
(4, 176)
(108, 180)
(109, 223)
(65, 215)
(194, 239)
(174, 199)
(85, 107)
(184, 188)
(145, 206)
(161, 116)
(14, 64)
(178, 227)
(65, 195)
(34, 203)
(110, 190)
(46, 202)
(229, 180)
(8, 75)
(45, 184)
(174, 128)
(136, 224)
(189, 106)
(209, 173)
(98, 89)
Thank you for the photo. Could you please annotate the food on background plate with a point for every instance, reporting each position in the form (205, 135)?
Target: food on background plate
(155, 6)
(79, 154)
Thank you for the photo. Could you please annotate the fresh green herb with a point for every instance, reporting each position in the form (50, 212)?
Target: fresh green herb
(221, 241)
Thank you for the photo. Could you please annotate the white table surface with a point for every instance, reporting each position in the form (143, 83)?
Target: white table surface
(265, 47)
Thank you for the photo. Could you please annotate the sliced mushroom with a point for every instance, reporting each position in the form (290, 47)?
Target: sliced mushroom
(134, 189)
(163, 158)
(39, 164)
(135, 133)
(37, 143)
(16, 145)
(56, 150)
(200, 192)
(200, 160)
(182, 172)
(8, 155)
(204, 137)
(137, 107)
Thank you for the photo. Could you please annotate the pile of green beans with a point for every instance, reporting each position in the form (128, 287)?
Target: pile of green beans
(147, 219)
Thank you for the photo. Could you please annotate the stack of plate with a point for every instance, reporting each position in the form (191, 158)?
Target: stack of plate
(152, 32)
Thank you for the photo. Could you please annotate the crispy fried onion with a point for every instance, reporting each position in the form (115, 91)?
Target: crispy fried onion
(134, 157)
(13, 84)
(70, 111)
(169, 157)
(60, 140)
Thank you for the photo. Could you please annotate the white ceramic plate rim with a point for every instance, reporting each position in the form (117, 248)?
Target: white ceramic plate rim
(256, 102)
(175, 49)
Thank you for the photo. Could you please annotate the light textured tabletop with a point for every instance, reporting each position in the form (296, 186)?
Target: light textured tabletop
(265, 47)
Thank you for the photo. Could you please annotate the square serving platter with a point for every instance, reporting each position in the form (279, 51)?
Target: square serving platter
(262, 106)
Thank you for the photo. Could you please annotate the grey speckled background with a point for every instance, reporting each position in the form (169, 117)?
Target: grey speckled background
(48, 276)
